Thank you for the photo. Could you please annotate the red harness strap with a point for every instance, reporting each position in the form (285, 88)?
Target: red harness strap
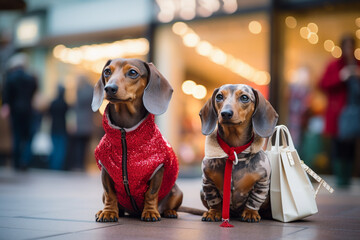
(232, 153)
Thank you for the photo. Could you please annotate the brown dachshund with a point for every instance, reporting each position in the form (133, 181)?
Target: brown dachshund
(236, 114)
(138, 166)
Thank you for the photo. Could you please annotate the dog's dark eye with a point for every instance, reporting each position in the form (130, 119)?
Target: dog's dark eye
(219, 97)
(133, 74)
(107, 72)
(244, 98)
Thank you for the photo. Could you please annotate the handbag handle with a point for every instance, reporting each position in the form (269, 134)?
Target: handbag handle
(286, 138)
(289, 138)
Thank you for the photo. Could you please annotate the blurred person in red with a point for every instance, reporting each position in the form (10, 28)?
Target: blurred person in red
(18, 93)
(338, 76)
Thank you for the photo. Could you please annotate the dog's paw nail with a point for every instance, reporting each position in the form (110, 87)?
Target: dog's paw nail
(115, 219)
(106, 220)
(148, 219)
(208, 219)
(203, 219)
(217, 219)
(159, 219)
(153, 219)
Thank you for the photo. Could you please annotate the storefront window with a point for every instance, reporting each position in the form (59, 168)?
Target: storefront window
(203, 55)
(311, 41)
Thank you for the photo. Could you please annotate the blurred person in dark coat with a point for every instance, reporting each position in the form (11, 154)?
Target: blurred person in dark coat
(58, 109)
(19, 90)
(84, 123)
(334, 84)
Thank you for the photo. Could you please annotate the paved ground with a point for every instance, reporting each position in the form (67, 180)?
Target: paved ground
(42, 204)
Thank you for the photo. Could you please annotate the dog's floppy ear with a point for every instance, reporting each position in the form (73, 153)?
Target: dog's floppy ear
(98, 94)
(158, 91)
(208, 115)
(264, 118)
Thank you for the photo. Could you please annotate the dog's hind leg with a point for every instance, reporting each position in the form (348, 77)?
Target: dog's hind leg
(110, 213)
(171, 203)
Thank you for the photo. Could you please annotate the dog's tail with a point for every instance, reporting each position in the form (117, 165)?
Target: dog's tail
(190, 210)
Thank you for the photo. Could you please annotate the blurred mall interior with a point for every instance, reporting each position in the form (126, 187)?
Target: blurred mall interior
(198, 45)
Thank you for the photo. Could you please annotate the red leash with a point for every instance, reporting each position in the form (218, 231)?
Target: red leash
(232, 153)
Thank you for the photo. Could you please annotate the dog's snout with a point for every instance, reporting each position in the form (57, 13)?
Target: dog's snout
(227, 114)
(111, 89)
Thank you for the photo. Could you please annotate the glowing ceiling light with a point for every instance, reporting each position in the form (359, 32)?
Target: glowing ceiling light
(191, 39)
(199, 92)
(357, 53)
(179, 28)
(313, 27)
(218, 56)
(313, 38)
(57, 50)
(188, 86)
(165, 17)
(230, 6)
(290, 22)
(204, 48)
(329, 45)
(255, 27)
(261, 78)
(187, 9)
(304, 32)
(167, 10)
(357, 22)
(336, 52)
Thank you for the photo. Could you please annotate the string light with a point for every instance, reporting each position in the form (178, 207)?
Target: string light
(255, 27)
(357, 53)
(91, 55)
(218, 56)
(198, 91)
(310, 33)
(291, 22)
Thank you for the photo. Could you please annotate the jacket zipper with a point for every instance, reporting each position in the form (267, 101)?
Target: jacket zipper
(124, 169)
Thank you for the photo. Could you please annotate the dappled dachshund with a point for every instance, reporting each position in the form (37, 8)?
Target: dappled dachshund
(236, 115)
(138, 166)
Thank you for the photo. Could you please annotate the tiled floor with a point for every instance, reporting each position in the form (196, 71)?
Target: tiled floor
(42, 204)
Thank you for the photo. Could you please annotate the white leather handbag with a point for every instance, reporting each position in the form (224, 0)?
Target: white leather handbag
(292, 195)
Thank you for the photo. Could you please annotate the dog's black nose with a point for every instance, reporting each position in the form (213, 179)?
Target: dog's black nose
(111, 89)
(227, 114)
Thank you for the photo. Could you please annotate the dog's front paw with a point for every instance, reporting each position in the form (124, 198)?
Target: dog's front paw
(106, 216)
(212, 215)
(249, 215)
(170, 214)
(150, 216)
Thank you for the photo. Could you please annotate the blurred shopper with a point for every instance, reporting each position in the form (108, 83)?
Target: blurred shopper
(19, 90)
(299, 94)
(338, 74)
(84, 124)
(57, 111)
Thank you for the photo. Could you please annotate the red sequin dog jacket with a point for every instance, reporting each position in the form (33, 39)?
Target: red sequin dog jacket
(147, 151)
